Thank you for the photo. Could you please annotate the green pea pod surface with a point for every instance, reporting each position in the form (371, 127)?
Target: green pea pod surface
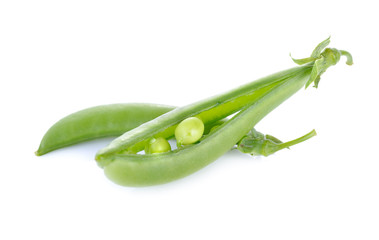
(96, 122)
(253, 101)
(209, 111)
(145, 170)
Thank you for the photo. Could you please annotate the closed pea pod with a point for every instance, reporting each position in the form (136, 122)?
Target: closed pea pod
(97, 122)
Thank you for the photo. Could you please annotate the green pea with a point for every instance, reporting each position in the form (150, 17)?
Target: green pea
(157, 145)
(189, 131)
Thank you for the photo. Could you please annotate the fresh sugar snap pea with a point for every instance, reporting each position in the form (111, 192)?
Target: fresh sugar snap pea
(96, 122)
(244, 107)
(252, 101)
(145, 170)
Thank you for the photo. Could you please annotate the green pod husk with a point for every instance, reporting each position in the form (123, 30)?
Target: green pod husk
(97, 122)
(253, 101)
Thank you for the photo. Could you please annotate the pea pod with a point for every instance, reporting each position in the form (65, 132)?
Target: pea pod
(210, 111)
(97, 122)
(252, 101)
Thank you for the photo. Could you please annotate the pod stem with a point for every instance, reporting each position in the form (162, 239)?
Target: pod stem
(297, 140)
(349, 58)
(256, 143)
(321, 59)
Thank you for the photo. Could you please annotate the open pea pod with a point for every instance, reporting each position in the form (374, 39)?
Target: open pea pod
(252, 101)
(209, 111)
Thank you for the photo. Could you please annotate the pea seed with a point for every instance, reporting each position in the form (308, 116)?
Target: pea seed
(189, 131)
(157, 145)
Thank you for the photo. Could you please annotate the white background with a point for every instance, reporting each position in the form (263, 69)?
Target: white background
(58, 57)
